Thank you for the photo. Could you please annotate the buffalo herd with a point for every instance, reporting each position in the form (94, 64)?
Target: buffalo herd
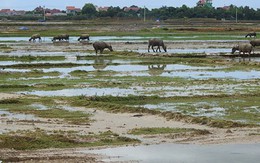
(153, 42)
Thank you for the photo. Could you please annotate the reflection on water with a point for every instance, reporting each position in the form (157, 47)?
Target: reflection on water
(230, 153)
(156, 70)
(100, 63)
(125, 69)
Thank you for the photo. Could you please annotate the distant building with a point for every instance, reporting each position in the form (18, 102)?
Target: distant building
(9, 12)
(204, 3)
(102, 8)
(223, 8)
(72, 10)
(226, 7)
(59, 14)
(133, 8)
(5, 12)
(55, 11)
(39, 9)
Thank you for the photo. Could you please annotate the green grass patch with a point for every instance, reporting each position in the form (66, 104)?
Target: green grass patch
(44, 65)
(39, 139)
(10, 101)
(54, 111)
(112, 106)
(165, 130)
(5, 48)
(29, 58)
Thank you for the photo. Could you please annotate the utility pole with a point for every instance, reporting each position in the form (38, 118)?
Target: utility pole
(236, 14)
(144, 14)
(44, 13)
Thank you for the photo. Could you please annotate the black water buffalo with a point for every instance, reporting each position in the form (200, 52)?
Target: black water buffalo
(61, 37)
(83, 37)
(156, 42)
(244, 48)
(251, 34)
(255, 42)
(35, 36)
(100, 45)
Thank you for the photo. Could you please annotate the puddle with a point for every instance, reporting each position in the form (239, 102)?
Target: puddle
(252, 109)
(128, 68)
(43, 107)
(210, 112)
(9, 115)
(231, 153)
(85, 92)
(182, 71)
(166, 91)
(40, 53)
(162, 91)
(40, 106)
(73, 59)
(253, 74)
(67, 108)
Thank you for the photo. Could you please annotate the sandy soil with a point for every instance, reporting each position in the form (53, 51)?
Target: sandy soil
(119, 123)
(8, 96)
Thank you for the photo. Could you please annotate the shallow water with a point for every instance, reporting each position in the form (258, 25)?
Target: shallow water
(75, 39)
(10, 115)
(213, 111)
(85, 92)
(123, 38)
(231, 153)
(39, 106)
(40, 53)
(130, 68)
(162, 91)
(195, 51)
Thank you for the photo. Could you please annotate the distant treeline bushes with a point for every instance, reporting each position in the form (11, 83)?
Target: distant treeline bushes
(163, 13)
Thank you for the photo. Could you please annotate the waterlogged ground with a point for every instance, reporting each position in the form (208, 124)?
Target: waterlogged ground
(66, 87)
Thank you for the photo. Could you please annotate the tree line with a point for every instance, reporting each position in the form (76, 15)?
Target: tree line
(163, 13)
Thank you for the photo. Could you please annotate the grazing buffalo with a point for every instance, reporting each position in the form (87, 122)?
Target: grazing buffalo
(156, 42)
(100, 45)
(255, 42)
(251, 34)
(61, 37)
(244, 48)
(83, 37)
(34, 37)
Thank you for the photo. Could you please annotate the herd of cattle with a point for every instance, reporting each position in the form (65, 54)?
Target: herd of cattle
(155, 42)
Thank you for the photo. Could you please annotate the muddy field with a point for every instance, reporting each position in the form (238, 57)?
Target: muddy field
(64, 92)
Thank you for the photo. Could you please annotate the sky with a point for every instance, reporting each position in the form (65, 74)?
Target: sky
(61, 4)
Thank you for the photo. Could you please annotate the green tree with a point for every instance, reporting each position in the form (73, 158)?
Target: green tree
(89, 10)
